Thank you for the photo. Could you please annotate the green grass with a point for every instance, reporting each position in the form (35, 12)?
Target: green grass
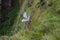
(44, 25)
(47, 25)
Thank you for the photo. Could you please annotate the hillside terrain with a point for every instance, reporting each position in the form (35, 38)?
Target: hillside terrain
(44, 23)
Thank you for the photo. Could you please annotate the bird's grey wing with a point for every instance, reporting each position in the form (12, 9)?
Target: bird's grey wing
(24, 15)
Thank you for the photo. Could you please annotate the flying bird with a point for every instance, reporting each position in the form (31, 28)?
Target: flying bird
(25, 17)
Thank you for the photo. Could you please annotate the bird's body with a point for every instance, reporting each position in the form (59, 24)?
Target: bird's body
(26, 18)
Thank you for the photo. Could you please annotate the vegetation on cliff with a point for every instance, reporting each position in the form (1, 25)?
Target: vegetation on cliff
(44, 21)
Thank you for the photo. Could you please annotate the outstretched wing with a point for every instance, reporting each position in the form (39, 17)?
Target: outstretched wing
(24, 20)
(24, 15)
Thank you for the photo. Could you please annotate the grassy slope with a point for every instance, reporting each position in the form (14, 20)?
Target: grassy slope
(44, 25)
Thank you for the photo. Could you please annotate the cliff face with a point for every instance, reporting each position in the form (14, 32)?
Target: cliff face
(6, 7)
(0, 5)
(8, 14)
